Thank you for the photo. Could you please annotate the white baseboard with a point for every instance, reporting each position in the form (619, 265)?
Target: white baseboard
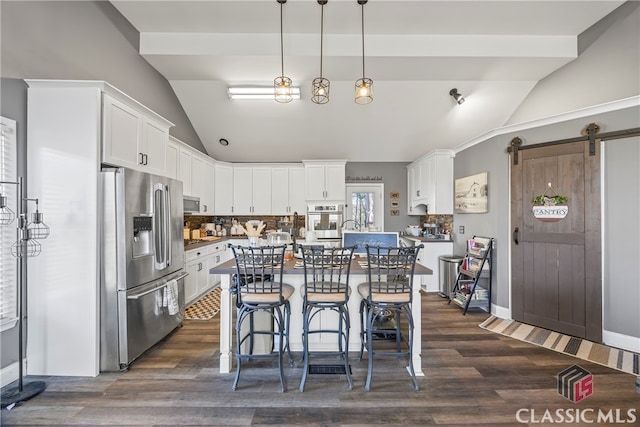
(501, 312)
(10, 373)
(625, 342)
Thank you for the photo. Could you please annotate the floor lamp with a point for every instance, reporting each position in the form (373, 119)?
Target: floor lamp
(26, 245)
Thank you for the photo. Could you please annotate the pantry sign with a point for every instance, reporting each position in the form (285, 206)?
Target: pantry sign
(550, 208)
(550, 213)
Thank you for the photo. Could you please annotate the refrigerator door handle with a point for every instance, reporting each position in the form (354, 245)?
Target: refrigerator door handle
(160, 226)
(149, 291)
(168, 238)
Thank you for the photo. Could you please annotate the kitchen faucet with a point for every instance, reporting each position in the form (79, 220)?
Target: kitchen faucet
(356, 225)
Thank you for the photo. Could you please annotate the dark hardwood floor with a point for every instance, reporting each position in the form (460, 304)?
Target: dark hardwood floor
(472, 377)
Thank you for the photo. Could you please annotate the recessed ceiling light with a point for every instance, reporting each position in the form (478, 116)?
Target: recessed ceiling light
(223, 142)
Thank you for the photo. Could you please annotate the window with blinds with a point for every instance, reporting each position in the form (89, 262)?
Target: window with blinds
(8, 233)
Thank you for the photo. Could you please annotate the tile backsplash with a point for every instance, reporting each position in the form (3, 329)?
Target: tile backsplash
(194, 222)
(444, 222)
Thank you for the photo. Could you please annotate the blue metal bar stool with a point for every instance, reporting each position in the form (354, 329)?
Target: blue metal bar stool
(259, 288)
(326, 288)
(386, 299)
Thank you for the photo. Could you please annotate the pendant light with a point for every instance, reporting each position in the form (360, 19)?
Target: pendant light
(320, 88)
(364, 86)
(282, 84)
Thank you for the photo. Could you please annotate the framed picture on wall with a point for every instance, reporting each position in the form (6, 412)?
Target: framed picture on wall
(471, 194)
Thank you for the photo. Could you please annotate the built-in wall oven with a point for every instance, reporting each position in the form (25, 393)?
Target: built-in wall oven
(325, 220)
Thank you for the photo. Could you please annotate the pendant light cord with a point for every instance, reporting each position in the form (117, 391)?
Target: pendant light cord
(321, 35)
(363, 74)
(281, 42)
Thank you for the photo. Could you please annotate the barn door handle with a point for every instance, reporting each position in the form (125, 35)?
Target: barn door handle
(516, 232)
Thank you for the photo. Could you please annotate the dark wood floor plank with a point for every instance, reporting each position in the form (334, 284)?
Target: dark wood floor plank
(472, 377)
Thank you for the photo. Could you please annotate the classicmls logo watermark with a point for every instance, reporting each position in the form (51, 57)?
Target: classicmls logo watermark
(575, 383)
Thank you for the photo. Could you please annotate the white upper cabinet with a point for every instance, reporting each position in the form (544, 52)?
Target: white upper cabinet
(416, 202)
(252, 190)
(287, 190)
(202, 182)
(441, 175)
(184, 169)
(223, 185)
(325, 180)
(133, 137)
(430, 184)
(173, 158)
(196, 171)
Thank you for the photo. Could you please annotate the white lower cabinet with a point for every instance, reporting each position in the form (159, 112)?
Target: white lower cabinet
(197, 264)
(219, 254)
(196, 283)
(429, 257)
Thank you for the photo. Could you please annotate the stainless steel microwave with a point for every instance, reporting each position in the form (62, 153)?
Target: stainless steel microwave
(191, 204)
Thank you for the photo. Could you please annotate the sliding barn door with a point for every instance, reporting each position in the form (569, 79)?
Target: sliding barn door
(556, 266)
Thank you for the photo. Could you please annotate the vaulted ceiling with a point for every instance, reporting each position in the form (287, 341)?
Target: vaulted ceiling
(493, 52)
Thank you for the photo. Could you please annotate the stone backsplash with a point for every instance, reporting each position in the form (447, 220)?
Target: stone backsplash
(194, 222)
(444, 222)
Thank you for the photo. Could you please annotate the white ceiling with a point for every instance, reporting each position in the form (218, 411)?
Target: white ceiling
(494, 52)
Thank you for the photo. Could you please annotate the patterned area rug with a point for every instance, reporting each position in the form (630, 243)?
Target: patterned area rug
(622, 360)
(205, 308)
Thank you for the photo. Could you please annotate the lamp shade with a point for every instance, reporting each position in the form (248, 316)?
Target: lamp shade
(364, 91)
(282, 89)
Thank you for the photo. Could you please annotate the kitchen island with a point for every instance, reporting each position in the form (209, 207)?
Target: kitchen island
(295, 277)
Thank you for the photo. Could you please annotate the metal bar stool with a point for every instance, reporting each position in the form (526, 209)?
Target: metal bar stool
(259, 288)
(326, 289)
(386, 296)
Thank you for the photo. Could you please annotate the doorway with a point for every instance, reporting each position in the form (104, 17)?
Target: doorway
(365, 207)
(556, 266)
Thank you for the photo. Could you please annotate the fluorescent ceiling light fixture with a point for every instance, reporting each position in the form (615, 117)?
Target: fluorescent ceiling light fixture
(257, 92)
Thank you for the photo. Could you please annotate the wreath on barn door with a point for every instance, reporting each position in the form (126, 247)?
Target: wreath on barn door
(550, 207)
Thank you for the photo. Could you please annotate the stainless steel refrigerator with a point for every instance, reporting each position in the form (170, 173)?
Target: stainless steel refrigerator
(142, 264)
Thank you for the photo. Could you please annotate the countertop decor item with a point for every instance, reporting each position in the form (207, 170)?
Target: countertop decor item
(252, 230)
(278, 238)
(413, 230)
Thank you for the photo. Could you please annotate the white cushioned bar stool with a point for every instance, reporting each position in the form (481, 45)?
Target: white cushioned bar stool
(386, 300)
(326, 289)
(259, 289)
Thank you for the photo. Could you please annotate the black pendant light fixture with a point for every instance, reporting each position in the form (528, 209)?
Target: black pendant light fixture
(320, 85)
(282, 84)
(364, 86)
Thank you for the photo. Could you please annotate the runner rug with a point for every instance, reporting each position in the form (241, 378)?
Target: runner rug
(205, 308)
(615, 358)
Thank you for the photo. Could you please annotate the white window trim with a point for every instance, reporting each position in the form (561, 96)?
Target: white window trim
(378, 190)
(8, 172)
